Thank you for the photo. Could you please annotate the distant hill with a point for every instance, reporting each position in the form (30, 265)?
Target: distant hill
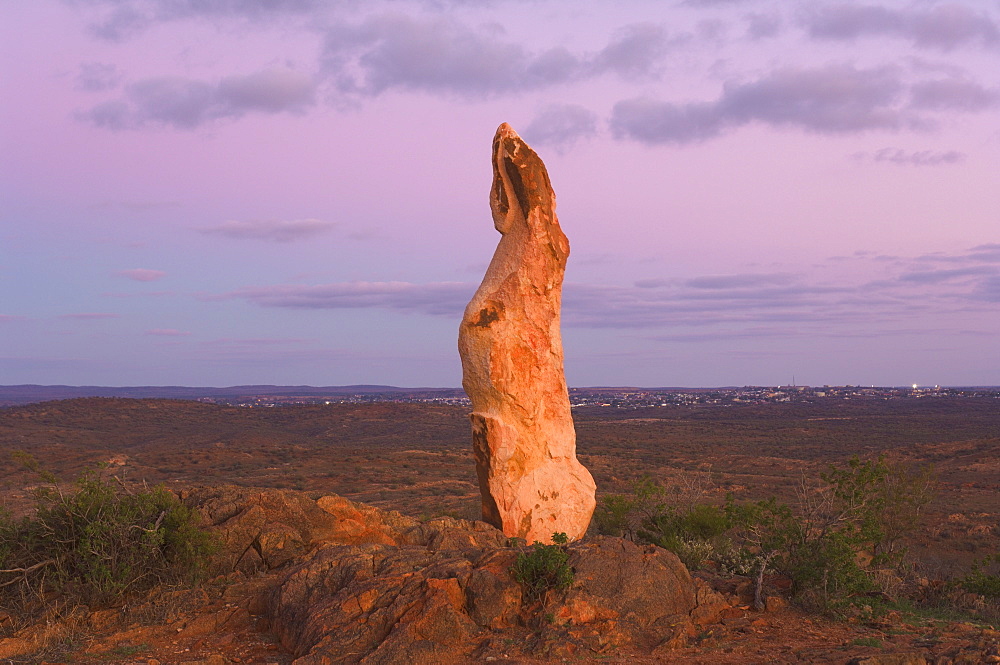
(29, 393)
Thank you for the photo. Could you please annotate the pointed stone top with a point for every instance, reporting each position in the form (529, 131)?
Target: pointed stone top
(506, 131)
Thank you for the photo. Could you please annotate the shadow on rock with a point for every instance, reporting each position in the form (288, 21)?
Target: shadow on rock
(356, 584)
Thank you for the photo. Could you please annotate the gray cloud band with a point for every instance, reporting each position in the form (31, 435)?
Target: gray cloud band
(702, 301)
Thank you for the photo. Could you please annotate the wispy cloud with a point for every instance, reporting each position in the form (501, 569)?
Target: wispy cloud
(905, 290)
(561, 126)
(989, 289)
(273, 230)
(442, 55)
(183, 103)
(834, 99)
(943, 27)
(440, 298)
(902, 157)
(635, 51)
(763, 26)
(123, 19)
(88, 316)
(949, 275)
(142, 274)
(955, 93)
(742, 281)
(167, 332)
(98, 77)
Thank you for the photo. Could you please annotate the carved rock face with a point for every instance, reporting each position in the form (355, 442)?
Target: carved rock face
(512, 361)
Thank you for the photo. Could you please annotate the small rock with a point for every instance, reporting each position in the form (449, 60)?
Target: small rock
(15, 646)
(775, 603)
(891, 659)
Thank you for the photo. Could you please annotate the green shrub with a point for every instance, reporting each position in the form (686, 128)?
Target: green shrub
(613, 516)
(847, 524)
(100, 544)
(544, 567)
(844, 528)
(984, 578)
(667, 515)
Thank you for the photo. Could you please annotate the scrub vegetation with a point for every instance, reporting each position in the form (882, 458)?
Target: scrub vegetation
(98, 543)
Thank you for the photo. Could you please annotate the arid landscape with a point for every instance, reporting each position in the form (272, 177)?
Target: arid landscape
(416, 459)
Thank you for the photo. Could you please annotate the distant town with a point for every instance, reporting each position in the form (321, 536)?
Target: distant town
(636, 398)
(263, 396)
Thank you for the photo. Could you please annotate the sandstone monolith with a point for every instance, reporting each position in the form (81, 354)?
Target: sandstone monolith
(532, 485)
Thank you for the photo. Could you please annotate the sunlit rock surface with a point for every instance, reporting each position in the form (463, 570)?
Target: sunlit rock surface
(512, 361)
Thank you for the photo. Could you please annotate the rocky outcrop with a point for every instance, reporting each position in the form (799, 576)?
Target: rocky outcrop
(264, 529)
(532, 485)
(358, 584)
(420, 604)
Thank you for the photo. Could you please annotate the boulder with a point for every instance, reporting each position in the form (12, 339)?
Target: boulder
(350, 583)
(416, 604)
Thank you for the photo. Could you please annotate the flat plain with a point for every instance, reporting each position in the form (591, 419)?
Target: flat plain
(416, 458)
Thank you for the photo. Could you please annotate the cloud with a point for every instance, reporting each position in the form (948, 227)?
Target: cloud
(943, 27)
(184, 103)
(714, 3)
(142, 274)
(87, 316)
(122, 22)
(844, 302)
(831, 99)
(98, 77)
(561, 126)
(650, 121)
(635, 51)
(913, 158)
(836, 98)
(442, 55)
(989, 253)
(739, 281)
(762, 26)
(269, 91)
(255, 342)
(440, 298)
(952, 93)
(272, 230)
(7, 318)
(989, 289)
(167, 332)
(127, 18)
(939, 276)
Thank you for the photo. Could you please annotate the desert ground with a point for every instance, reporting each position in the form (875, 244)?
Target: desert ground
(416, 459)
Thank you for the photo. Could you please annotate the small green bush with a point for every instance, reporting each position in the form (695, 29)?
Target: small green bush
(544, 567)
(984, 578)
(848, 524)
(844, 528)
(100, 544)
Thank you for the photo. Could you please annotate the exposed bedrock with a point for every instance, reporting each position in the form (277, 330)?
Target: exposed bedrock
(531, 482)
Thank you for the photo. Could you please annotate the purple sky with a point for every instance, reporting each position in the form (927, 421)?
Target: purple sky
(218, 192)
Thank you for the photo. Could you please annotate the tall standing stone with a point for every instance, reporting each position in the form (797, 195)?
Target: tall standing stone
(512, 361)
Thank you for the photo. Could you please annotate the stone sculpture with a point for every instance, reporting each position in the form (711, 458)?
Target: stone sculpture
(532, 485)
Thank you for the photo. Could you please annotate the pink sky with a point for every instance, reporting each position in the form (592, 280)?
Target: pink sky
(296, 191)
